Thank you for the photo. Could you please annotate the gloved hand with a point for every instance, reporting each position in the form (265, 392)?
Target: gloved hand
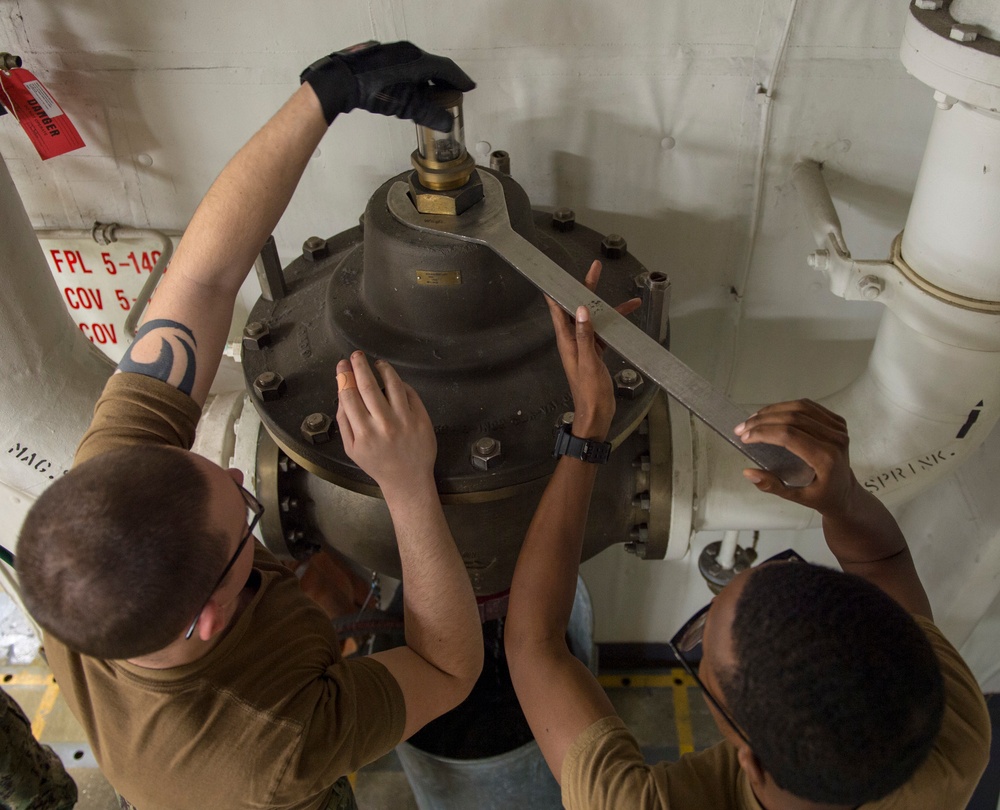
(391, 79)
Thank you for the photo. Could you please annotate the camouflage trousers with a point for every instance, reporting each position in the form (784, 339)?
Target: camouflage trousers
(32, 777)
(342, 797)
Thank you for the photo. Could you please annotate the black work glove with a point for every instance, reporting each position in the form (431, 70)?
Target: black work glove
(393, 79)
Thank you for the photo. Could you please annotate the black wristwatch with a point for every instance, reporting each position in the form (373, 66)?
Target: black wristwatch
(584, 449)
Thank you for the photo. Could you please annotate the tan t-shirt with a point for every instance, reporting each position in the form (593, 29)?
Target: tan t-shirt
(269, 718)
(604, 769)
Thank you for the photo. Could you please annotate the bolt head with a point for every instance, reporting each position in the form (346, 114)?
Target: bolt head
(964, 33)
(269, 386)
(256, 335)
(565, 418)
(315, 248)
(563, 219)
(818, 260)
(613, 246)
(317, 428)
(871, 287)
(628, 383)
(486, 453)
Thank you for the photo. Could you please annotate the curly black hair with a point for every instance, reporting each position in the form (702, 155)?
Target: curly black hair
(837, 687)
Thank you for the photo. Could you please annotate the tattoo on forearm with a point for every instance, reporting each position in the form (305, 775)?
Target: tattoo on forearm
(172, 366)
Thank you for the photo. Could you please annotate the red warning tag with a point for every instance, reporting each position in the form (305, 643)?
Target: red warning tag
(48, 127)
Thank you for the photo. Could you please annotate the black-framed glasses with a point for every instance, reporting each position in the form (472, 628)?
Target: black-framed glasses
(255, 509)
(690, 635)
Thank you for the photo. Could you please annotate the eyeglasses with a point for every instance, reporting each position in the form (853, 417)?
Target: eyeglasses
(690, 636)
(255, 509)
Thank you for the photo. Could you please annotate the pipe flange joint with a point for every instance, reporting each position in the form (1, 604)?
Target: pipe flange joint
(564, 219)
(269, 386)
(628, 383)
(614, 246)
(486, 453)
(715, 575)
(256, 335)
(317, 428)
(315, 248)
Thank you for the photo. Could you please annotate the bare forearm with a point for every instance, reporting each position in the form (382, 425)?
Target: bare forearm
(246, 201)
(441, 617)
(867, 542)
(864, 531)
(541, 595)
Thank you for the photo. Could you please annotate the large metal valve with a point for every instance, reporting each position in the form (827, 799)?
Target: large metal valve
(474, 338)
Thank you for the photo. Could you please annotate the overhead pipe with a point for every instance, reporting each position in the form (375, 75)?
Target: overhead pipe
(53, 376)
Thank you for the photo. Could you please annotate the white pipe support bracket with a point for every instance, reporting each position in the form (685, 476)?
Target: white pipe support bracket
(849, 278)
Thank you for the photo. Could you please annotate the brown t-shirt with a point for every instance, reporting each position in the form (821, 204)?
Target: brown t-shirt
(604, 769)
(269, 718)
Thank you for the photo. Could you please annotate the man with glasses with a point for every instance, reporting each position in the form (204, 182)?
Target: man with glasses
(202, 674)
(832, 690)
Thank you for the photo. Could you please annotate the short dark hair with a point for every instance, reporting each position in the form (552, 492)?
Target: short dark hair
(837, 687)
(116, 556)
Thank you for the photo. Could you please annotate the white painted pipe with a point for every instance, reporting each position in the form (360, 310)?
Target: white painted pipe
(931, 391)
(727, 549)
(952, 237)
(53, 375)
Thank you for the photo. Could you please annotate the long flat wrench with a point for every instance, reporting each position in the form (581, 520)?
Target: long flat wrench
(488, 224)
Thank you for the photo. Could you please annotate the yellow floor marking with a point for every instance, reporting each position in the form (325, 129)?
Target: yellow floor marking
(682, 720)
(679, 681)
(45, 708)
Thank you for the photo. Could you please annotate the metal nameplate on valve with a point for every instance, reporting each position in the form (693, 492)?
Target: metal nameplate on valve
(489, 224)
(439, 278)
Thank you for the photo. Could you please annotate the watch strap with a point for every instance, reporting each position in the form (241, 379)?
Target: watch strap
(587, 450)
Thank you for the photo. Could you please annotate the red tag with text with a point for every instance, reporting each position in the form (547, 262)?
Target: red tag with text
(48, 127)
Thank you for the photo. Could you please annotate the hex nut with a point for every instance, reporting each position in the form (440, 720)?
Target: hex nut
(564, 219)
(638, 537)
(315, 248)
(452, 202)
(628, 383)
(256, 335)
(269, 386)
(961, 32)
(614, 246)
(486, 453)
(317, 428)
(871, 287)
